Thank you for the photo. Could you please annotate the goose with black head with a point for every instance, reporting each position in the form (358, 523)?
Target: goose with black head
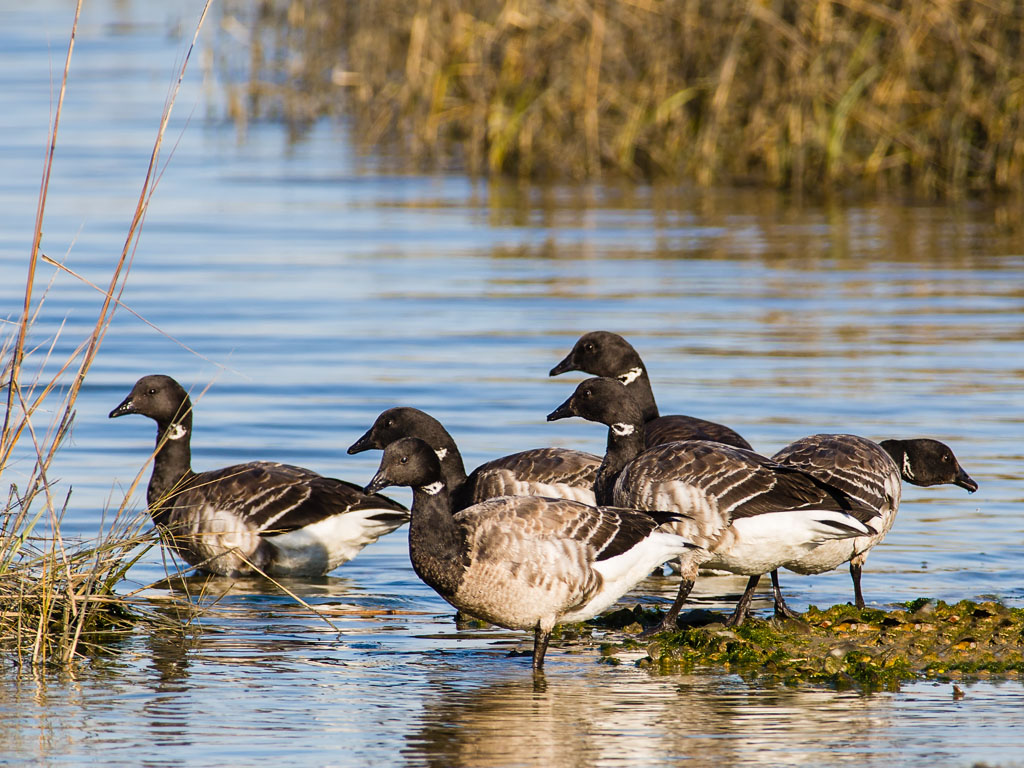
(559, 473)
(871, 473)
(749, 514)
(259, 516)
(523, 562)
(607, 354)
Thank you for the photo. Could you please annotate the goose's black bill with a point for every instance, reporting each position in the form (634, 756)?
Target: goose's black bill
(127, 406)
(564, 411)
(567, 364)
(965, 481)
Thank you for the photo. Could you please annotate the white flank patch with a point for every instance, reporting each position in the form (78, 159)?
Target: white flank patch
(441, 453)
(433, 489)
(762, 543)
(623, 429)
(832, 554)
(630, 376)
(176, 432)
(323, 546)
(623, 572)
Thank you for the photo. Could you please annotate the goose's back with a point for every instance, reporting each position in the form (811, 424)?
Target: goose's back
(863, 470)
(715, 484)
(235, 514)
(674, 428)
(552, 472)
(857, 466)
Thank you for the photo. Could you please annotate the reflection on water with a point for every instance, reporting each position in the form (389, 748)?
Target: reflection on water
(626, 718)
(318, 292)
(293, 695)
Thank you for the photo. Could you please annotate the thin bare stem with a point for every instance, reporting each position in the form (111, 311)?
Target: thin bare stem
(37, 235)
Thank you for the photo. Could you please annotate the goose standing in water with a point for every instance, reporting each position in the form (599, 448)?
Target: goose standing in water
(749, 514)
(606, 354)
(870, 473)
(284, 520)
(522, 562)
(555, 472)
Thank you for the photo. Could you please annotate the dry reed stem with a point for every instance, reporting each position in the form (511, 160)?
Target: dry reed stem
(37, 234)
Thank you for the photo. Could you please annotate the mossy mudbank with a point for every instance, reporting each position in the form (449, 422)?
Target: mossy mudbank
(843, 646)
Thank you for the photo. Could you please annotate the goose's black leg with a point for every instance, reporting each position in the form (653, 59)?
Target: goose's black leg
(855, 571)
(540, 647)
(743, 606)
(782, 611)
(668, 623)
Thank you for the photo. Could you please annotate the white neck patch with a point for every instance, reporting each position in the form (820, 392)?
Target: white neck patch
(907, 471)
(623, 429)
(441, 453)
(630, 376)
(433, 489)
(176, 432)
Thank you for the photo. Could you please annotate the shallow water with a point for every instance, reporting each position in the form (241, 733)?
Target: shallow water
(312, 288)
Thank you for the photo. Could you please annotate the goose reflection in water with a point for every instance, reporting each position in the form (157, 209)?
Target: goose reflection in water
(626, 717)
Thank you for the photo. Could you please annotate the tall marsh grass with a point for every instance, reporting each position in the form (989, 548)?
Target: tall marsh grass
(57, 598)
(925, 95)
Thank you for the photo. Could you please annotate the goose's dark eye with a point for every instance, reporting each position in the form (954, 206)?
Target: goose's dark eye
(587, 393)
(589, 347)
(151, 392)
(404, 460)
(389, 423)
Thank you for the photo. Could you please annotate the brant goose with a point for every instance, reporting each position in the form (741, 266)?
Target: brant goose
(284, 520)
(870, 473)
(602, 353)
(554, 472)
(748, 513)
(522, 562)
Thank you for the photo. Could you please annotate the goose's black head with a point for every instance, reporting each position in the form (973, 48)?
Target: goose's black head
(161, 398)
(396, 423)
(925, 462)
(604, 400)
(602, 353)
(408, 461)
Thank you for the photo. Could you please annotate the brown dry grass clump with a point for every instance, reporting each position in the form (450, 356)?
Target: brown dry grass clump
(57, 600)
(925, 94)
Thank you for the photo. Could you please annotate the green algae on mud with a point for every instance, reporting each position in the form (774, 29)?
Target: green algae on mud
(844, 646)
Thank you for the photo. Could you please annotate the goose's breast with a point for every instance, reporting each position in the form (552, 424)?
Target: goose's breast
(518, 584)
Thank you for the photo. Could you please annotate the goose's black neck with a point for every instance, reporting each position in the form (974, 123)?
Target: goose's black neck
(625, 443)
(172, 465)
(432, 432)
(437, 543)
(639, 385)
(903, 455)
(453, 468)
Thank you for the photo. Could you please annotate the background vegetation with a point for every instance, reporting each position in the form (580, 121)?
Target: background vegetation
(926, 95)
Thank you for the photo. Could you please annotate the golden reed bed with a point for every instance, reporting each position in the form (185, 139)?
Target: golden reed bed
(923, 95)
